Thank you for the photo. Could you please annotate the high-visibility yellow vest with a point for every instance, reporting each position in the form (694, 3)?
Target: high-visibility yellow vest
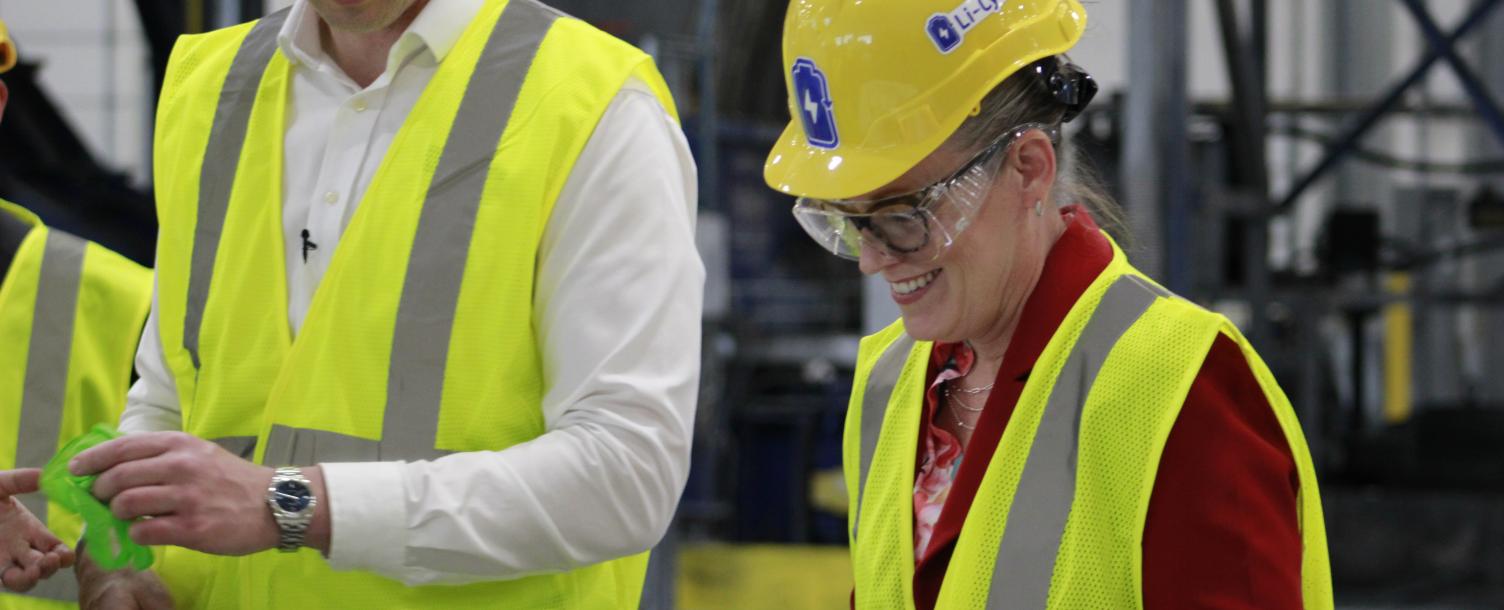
(1058, 521)
(71, 314)
(420, 339)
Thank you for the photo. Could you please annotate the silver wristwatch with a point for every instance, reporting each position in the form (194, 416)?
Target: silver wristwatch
(292, 502)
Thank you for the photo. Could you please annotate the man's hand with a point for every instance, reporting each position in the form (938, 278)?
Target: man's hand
(198, 495)
(124, 589)
(28, 552)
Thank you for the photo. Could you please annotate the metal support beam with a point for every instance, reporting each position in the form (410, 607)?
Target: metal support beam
(1249, 174)
(1486, 356)
(1156, 152)
(1246, 71)
(162, 21)
(709, 124)
(1364, 123)
(225, 14)
(1483, 100)
(1259, 32)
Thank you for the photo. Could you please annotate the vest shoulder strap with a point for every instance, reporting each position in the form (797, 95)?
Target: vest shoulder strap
(881, 361)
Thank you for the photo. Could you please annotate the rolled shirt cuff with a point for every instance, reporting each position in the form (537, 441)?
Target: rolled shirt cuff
(367, 517)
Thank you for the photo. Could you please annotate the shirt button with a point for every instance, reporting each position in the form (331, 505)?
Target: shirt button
(331, 197)
(359, 105)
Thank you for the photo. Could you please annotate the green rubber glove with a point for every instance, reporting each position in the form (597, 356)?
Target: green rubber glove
(107, 539)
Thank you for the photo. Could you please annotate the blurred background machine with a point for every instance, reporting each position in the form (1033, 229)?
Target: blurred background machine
(1328, 174)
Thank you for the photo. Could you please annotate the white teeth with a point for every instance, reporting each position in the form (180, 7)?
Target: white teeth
(909, 287)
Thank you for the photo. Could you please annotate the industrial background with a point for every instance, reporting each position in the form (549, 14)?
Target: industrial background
(1329, 174)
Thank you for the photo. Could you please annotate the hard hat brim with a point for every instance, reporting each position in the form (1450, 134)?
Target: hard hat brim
(794, 167)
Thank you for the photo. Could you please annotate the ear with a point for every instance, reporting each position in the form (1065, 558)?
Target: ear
(1033, 163)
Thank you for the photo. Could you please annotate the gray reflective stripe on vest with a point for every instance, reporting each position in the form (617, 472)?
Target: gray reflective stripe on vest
(46, 384)
(299, 446)
(880, 382)
(436, 268)
(221, 157)
(1036, 523)
(243, 447)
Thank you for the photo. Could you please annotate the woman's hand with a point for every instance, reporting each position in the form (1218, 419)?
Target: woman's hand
(28, 552)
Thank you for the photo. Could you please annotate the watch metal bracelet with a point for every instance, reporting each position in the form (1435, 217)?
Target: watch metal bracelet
(291, 538)
(292, 526)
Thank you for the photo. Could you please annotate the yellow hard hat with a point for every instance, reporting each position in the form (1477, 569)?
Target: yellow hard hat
(7, 50)
(875, 86)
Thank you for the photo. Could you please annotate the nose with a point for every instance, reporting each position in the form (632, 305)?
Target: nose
(874, 258)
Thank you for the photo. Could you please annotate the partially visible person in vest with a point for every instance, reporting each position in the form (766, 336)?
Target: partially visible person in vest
(1045, 427)
(426, 330)
(71, 314)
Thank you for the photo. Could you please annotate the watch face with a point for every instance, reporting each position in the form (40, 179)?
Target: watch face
(293, 496)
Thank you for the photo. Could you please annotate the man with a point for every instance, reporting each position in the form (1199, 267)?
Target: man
(70, 316)
(436, 257)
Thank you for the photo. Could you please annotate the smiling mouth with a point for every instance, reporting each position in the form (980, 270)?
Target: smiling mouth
(907, 287)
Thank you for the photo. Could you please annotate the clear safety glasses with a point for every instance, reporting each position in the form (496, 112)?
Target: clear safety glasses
(916, 226)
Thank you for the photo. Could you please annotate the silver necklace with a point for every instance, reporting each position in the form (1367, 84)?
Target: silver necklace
(961, 422)
(956, 400)
(951, 386)
(952, 397)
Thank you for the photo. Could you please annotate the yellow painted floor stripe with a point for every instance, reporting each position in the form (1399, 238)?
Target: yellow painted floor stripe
(758, 577)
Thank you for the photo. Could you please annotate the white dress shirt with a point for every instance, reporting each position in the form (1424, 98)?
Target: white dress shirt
(617, 309)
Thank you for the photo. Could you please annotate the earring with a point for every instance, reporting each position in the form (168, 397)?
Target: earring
(1039, 208)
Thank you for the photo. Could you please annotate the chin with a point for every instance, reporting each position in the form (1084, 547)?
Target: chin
(925, 328)
(930, 318)
(357, 16)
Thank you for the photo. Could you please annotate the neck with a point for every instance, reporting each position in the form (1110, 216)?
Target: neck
(363, 55)
(992, 345)
(12, 233)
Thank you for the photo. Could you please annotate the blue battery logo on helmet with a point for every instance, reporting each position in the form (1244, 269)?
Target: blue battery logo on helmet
(948, 30)
(812, 100)
(944, 33)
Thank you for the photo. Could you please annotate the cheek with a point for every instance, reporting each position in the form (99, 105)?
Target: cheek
(979, 267)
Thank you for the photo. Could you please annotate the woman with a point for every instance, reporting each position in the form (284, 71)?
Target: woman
(29, 553)
(1045, 427)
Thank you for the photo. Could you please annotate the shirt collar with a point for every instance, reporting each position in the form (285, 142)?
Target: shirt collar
(442, 22)
(437, 28)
